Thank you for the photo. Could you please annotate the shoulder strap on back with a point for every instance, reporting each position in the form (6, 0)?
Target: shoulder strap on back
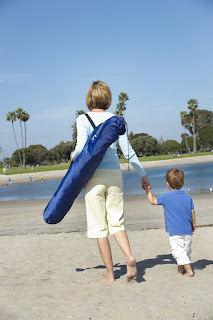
(90, 120)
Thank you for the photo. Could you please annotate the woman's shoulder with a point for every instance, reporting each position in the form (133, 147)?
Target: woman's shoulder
(81, 121)
(97, 117)
(81, 118)
(103, 115)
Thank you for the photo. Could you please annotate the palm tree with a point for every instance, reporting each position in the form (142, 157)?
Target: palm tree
(184, 116)
(25, 118)
(120, 112)
(121, 106)
(1, 151)
(192, 106)
(19, 115)
(11, 116)
(74, 134)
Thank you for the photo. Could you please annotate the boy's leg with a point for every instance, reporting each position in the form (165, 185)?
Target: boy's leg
(187, 267)
(189, 272)
(123, 242)
(105, 251)
(180, 248)
(181, 269)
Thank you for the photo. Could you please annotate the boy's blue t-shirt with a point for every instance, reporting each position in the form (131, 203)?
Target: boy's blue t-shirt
(178, 207)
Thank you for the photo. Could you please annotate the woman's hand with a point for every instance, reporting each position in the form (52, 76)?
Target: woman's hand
(145, 183)
(71, 156)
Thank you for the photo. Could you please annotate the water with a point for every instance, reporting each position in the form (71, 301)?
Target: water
(198, 178)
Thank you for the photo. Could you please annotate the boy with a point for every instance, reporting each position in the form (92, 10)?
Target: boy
(179, 216)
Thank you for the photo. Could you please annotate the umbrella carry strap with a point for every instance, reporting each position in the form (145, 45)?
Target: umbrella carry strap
(90, 120)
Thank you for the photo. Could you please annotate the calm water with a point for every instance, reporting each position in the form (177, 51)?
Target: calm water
(198, 178)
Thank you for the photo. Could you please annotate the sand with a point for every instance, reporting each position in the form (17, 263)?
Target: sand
(59, 174)
(53, 272)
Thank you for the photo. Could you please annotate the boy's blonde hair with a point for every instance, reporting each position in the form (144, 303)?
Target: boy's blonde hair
(175, 178)
(98, 96)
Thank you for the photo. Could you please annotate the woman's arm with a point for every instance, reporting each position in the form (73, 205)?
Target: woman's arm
(82, 136)
(130, 154)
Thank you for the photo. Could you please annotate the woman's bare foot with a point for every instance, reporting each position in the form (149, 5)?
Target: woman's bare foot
(108, 278)
(181, 269)
(131, 268)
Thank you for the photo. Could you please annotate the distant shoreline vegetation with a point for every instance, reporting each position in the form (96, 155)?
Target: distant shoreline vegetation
(196, 140)
(65, 166)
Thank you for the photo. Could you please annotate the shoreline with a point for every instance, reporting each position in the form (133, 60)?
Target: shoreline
(59, 174)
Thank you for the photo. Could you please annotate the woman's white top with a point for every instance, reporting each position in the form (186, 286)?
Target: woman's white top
(110, 159)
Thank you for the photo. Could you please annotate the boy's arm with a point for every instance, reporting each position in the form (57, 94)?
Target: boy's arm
(150, 197)
(193, 220)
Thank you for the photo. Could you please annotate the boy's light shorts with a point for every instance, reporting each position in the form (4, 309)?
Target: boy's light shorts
(104, 203)
(181, 248)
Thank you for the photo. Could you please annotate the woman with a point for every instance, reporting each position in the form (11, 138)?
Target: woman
(104, 191)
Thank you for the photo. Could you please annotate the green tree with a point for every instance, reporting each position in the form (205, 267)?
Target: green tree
(144, 145)
(11, 116)
(2, 161)
(19, 115)
(189, 120)
(131, 135)
(170, 146)
(204, 120)
(120, 112)
(160, 146)
(121, 106)
(36, 154)
(25, 118)
(184, 118)
(183, 146)
(61, 152)
(206, 138)
(192, 106)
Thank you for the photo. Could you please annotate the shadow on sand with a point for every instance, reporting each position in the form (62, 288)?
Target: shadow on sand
(120, 269)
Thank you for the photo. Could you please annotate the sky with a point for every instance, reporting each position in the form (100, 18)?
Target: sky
(158, 52)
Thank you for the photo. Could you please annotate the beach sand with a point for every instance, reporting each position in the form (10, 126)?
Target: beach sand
(53, 272)
(59, 174)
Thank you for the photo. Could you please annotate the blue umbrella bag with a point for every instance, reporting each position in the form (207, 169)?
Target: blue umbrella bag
(82, 169)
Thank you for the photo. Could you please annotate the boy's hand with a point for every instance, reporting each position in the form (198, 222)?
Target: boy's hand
(145, 183)
(150, 197)
(193, 227)
(193, 220)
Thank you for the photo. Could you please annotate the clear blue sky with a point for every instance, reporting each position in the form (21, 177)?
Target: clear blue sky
(159, 52)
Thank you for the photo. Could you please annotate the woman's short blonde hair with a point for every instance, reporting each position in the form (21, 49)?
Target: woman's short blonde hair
(175, 178)
(98, 96)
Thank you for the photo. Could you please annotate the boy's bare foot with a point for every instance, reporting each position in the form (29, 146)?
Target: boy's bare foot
(108, 278)
(181, 269)
(131, 268)
(189, 274)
